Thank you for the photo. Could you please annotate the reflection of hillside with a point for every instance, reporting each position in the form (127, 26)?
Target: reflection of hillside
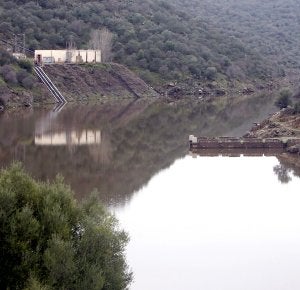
(137, 141)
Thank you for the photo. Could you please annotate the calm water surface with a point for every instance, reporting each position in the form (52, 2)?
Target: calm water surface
(215, 223)
(195, 223)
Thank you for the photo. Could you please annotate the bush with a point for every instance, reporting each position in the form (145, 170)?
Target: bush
(28, 82)
(21, 75)
(286, 93)
(297, 108)
(11, 78)
(284, 99)
(8, 74)
(26, 64)
(6, 58)
(211, 73)
(49, 241)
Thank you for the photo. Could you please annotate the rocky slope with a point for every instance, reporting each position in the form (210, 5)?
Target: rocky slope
(80, 82)
(284, 123)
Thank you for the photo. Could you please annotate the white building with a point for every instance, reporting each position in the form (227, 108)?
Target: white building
(67, 56)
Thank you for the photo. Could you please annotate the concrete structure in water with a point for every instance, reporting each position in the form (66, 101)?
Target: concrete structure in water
(67, 56)
(232, 143)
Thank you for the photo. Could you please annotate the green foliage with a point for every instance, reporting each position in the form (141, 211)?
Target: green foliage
(269, 26)
(28, 82)
(152, 35)
(26, 64)
(8, 73)
(13, 72)
(211, 73)
(49, 241)
(284, 99)
(6, 58)
(286, 93)
(297, 108)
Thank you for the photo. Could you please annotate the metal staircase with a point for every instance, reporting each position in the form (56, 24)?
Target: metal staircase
(49, 84)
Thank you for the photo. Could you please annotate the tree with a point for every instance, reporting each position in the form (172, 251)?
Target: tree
(284, 99)
(26, 64)
(297, 108)
(211, 73)
(49, 241)
(102, 39)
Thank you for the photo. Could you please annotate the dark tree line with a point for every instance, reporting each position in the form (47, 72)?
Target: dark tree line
(270, 27)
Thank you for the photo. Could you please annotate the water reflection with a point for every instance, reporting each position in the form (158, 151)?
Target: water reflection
(283, 173)
(289, 166)
(204, 223)
(49, 132)
(118, 146)
(289, 163)
(85, 137)
(215, 223)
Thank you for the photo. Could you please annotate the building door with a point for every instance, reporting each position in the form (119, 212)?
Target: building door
(39, 59)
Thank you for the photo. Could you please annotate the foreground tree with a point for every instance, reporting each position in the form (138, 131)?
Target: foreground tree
(49, 241)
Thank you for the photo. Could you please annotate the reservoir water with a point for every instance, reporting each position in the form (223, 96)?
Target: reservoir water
(195, 222)
(215, 223)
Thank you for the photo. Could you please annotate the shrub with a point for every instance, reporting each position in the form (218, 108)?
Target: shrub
(297, 108)
(284, 99)
(286, 93)
(26, 64)
(49, 241)
(211, 73)
(28, 82)
(5, 69)
(21, 75)
(6, 58)
(10, 77)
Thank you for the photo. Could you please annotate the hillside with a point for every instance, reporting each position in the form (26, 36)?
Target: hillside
(270, 27)
(155, 38)
(82, 82)
(20, 86)
(283, 124)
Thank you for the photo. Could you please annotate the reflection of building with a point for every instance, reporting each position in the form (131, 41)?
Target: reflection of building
(85, 137)
(67, 56)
